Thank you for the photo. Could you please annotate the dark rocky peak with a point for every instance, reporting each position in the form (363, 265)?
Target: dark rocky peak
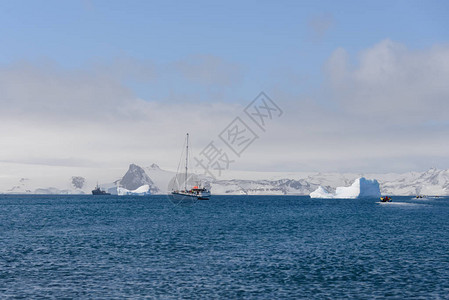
(135, 177)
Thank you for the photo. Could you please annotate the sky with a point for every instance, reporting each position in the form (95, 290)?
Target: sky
(361, 86)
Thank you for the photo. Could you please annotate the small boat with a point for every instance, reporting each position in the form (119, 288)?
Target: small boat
(99, 191)
(197, 192)
(421, 197)
(385, 199)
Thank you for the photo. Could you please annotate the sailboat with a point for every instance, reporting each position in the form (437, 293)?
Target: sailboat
(197, 192)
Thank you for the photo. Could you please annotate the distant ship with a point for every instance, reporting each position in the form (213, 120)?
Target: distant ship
(99, 191)
(197, 192)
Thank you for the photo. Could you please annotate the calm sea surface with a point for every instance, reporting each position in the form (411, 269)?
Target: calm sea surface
(229, 247)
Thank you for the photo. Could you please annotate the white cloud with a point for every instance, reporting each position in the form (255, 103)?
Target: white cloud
(392, 81)
(54, 116)
(46, 91)
(386, 112)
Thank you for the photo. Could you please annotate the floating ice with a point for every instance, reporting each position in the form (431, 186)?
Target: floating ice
(140, 191)
(361, 188)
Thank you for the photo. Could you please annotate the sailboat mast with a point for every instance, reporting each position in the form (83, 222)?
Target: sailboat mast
(187, 160)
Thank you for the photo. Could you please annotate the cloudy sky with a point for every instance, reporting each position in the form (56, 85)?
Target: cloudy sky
(363, 85)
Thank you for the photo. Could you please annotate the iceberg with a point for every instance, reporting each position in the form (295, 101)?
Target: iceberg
(361, 188)
(322, 193)
(140, 191)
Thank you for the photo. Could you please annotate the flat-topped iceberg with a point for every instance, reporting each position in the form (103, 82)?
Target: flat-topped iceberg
(361, 188)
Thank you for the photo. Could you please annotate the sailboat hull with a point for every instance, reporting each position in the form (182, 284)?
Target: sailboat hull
(188, 195)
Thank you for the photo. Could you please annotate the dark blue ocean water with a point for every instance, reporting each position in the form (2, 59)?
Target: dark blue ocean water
(229, 247)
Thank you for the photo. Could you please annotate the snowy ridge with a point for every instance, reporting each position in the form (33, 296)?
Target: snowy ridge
(52, 181)
(262, 187)
(431, 182)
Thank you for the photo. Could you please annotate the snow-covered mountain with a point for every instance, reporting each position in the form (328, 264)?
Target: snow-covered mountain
(136, 177)
(262, 187)
(74, 185)
(431, 182)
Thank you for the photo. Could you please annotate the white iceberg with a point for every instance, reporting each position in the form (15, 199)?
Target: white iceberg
(361, 188)
(322, 193)
(140, 191)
